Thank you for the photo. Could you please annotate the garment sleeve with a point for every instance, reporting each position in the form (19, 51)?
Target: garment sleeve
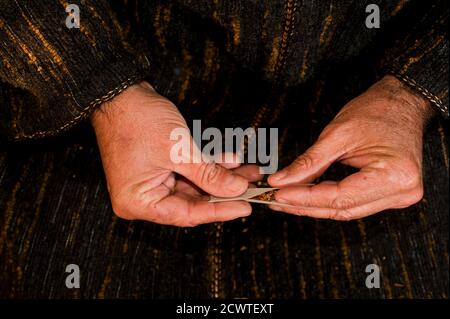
(53, 75)
(420, 55)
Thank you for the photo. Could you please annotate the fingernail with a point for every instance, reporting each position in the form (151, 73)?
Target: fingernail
(279, 176)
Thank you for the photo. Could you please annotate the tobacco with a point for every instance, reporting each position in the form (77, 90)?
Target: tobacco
(268, 196)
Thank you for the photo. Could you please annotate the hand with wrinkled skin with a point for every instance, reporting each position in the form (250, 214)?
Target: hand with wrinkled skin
(380, 133)
(133, 134)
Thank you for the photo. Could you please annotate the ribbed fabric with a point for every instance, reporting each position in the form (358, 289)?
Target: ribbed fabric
(227, 64)
(421, 52)
(63, 74)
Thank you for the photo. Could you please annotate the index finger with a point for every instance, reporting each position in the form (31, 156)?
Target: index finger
(186, 212)
(361, 188)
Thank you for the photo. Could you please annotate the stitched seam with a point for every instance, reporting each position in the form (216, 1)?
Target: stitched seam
(84, 113)
(433, 98)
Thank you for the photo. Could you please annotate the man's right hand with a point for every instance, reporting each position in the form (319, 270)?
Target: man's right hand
(133, 133)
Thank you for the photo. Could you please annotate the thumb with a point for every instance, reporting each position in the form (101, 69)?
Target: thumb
(209, 176)
(308, 166)
(213, 179)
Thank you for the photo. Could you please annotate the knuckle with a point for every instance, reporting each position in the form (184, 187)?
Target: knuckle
(344, 215)
(340, 214)
(187, 224)
(334, 213)
(131, 206)
(330, 130)
(412, 181)
(191, 224)
(188, 221)
(121, 208)
(210, 173)
(336, 129)
(343, 202)
(414, 196)
(304, 161)
(409, 177)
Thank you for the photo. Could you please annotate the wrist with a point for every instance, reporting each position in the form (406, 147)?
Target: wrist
(408, 101)
(114, 109)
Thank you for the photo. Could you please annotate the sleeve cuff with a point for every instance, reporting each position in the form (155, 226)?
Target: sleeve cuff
(105, 82)
(439, 105)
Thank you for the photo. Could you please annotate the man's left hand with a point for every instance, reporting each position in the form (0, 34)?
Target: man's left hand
(380, 133)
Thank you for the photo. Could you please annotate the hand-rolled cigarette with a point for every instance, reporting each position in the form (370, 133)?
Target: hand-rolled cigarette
(268, 196)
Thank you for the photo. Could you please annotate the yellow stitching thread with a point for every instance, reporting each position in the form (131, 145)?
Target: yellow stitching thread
(433, 98)
(83, 113)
